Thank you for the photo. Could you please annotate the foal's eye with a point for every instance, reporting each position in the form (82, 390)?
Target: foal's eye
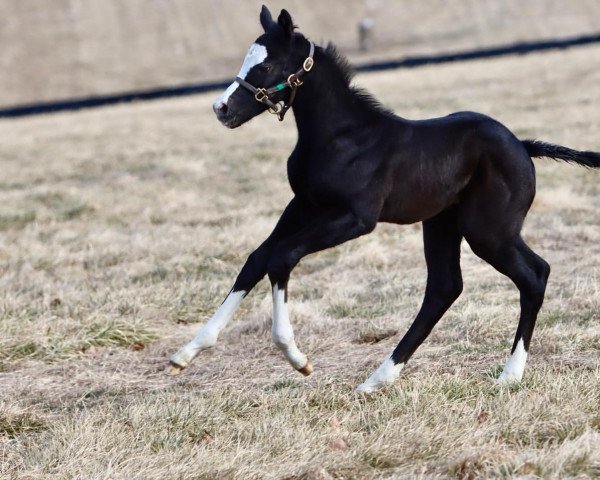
(265, 67)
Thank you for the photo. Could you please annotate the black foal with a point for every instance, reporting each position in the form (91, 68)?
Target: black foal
(356, 164)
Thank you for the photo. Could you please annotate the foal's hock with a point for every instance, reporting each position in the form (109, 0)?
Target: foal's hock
(356, 164)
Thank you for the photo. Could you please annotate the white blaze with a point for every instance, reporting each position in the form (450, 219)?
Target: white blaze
(207, 336)
(387, 372)
(515, 365)
(282, 332)
(256, 54)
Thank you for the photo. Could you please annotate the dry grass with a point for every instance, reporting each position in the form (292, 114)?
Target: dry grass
(122, 228)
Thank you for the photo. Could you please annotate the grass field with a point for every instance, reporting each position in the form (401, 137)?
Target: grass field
(121, 230)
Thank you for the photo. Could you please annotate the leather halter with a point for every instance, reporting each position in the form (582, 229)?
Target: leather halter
(293, 82)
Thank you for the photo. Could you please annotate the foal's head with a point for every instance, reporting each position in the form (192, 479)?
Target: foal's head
(275, 55)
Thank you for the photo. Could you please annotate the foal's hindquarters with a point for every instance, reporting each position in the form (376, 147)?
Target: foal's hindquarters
(491, 217)
(489, 214)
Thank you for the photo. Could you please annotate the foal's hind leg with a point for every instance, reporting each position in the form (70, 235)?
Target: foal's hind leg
(532, 288)
(252, 272)
(282, 331)
(529, 272)
(442, 240)
(492, 211)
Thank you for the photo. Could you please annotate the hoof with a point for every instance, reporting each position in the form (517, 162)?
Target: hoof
(173, 370)
(307, 369)
(365, 389)
(507, 380)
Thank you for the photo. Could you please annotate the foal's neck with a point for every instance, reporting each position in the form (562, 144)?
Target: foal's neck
(326, 106)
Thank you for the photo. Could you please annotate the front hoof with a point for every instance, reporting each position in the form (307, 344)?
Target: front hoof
(506, 380)
(307, 369)
(173, 369)
(366, 389)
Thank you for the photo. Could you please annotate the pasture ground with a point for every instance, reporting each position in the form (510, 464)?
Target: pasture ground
(121, 230)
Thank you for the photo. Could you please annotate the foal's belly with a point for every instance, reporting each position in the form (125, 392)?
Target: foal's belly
(417, 196)
(425, 181)
(414, 208)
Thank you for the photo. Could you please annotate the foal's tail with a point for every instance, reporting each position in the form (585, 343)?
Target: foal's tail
(536, 148)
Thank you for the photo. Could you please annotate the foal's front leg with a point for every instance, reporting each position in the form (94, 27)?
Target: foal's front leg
(252, 272)
(327, 230)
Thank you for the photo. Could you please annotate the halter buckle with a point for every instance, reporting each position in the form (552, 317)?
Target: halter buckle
(308, 64)
(294, 81)
(261, 94)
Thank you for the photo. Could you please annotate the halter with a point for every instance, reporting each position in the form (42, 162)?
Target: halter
(293, 81)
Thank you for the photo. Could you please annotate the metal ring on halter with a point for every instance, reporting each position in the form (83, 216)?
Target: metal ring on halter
(308, 64)
(294, 81)
(276, 108)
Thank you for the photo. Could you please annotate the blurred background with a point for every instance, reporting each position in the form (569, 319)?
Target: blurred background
(60, 49)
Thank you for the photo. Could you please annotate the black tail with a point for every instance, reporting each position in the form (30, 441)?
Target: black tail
(536, 148)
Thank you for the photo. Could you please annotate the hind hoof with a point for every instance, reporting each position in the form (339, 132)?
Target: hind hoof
(173, 370)
(307, 369)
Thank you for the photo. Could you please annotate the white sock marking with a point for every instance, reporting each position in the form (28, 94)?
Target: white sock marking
(256, 54)
(207, 336)
(515, 365)
(387, 372)
(282, 331)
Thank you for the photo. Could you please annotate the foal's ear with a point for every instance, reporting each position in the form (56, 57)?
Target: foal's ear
(285, 21)
(266, 20)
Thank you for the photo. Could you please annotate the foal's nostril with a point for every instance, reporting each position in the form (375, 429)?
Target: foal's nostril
(220, 108)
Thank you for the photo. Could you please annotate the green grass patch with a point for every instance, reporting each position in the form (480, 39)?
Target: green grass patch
(16, 351)
(117, 334)
(16, 221)
(78, 211)
(285, 384)
(14, 424)
(551, 318)
(196, 305)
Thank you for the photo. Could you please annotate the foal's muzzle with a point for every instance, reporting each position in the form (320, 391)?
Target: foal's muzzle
(220, 109)
(224, 115)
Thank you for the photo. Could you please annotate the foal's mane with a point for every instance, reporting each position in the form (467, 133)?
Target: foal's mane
(340, 61)
(344, 68)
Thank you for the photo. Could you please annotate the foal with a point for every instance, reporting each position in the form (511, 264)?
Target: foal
(356, 164)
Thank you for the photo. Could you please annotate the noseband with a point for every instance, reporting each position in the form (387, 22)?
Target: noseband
(293, 82)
